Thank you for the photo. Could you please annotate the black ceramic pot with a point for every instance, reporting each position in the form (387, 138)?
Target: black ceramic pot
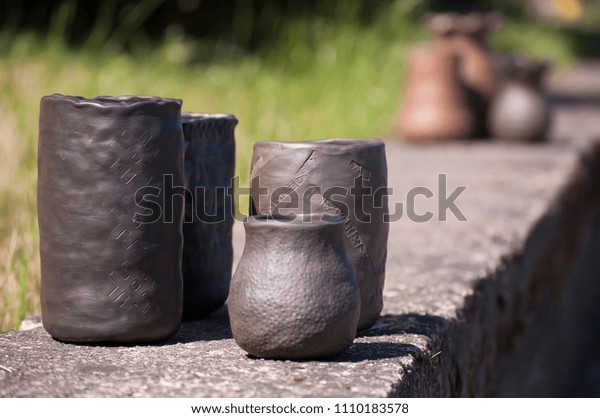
(294, 294)
(207, 250)
(345, 177)
(110, 223)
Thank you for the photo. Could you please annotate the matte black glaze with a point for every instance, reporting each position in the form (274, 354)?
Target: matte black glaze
(280, 169)
(207, 230)
(110, 271)
(294, 294)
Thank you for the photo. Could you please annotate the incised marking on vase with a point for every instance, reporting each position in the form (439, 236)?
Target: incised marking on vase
(131, 285)
(131, 288)
(126, 224)
(128, 154)
(298, 179)
(360, 170)
(264, 159)
(351, 232)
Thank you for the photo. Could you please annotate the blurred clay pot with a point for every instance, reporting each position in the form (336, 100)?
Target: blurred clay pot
(466, 36)
(110, 258)
(521, 112)
(435, 104)
(207, 230)
(294, 294)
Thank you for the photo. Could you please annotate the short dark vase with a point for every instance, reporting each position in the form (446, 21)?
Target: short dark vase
(520, 111)
(333, 177)
(207, 230)
(110, 249)
(294, 294)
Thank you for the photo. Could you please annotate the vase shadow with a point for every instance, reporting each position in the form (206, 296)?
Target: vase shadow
(410, 323)
(416, 324)
(210, 328)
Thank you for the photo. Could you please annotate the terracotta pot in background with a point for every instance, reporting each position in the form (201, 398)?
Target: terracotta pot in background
(467, 36)
(207, 230)
(111, 270)
(435, 104)
(294, 294)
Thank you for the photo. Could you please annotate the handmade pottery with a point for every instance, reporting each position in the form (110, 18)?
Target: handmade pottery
(294, 294)
(436, 106)
(110, 223)
(207, 229)
(466, 36)
(345, 177)
(520, 111)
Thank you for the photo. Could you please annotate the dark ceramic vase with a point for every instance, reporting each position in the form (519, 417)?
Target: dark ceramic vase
(521, 112)
(110, 246)
(294, 294)
(334, 177)
(207, 250)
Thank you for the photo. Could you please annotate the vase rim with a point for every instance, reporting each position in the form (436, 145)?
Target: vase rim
(196, 116)
(325, 143)
(125, 101)
(294, 220)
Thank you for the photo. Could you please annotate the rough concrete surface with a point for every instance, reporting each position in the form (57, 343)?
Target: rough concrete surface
(468, 305)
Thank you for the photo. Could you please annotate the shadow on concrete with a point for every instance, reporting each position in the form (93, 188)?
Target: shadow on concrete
(366, 351)
(427, 325)
(411, 323)
(216, 327)
(213, 327)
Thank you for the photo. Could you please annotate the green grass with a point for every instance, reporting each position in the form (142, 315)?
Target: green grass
(317, 80)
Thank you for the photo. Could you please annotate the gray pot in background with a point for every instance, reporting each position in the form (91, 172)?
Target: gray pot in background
(312, 177)
(207, 230)
(294, 294)
(521, 111)
(110, 248)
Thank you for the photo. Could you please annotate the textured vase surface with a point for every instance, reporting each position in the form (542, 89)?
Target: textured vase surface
(207, 230)
(110, 227)
(322, 177)
(294, 294)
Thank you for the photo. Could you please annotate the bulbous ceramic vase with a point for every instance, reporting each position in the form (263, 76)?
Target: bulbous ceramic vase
(436, 106)
(207, 229)
(345, 177)
(294, 294)
(110, 247)
(521, 112)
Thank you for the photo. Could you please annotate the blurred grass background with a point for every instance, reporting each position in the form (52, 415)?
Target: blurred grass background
(288, 70)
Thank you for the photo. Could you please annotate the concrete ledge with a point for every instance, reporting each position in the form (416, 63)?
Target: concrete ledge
(502, 304)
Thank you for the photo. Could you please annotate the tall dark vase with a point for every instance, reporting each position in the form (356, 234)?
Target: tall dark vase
(333, 177)
(207, 230)
(110, 222)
